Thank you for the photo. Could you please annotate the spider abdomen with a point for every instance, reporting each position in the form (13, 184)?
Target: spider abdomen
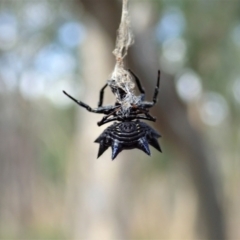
(128, 135)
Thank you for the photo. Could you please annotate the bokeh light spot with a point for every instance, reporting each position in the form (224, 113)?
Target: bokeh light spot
(189, 86)
(71, 34)
(55, 61)
(214, 109)
(236, 90)
(8, 31)
(32, 85)
(37, 15)
(173, 55)
(236, 35)
(171, 25)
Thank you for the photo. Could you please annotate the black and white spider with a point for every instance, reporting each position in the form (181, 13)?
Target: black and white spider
(129, 132)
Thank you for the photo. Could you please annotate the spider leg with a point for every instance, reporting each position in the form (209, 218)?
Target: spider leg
(104, 119)
(156, 88)
(115, 118)
(101, 95)
(130, 117)
(138, 82)
(150, 117)
(104, 109)
(147, 114)
(147, 117)
(100, 123)
(145, 104)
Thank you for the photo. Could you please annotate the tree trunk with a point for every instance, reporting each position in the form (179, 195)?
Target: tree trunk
(93, 181)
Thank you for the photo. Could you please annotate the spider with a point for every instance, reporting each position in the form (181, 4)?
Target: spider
(129, 132)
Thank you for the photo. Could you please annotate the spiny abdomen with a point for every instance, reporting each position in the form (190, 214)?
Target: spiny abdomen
(128, 135)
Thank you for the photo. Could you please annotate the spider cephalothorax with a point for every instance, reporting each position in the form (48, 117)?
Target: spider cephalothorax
(127, 134)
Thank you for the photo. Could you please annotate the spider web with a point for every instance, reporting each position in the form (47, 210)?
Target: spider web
(121, 78)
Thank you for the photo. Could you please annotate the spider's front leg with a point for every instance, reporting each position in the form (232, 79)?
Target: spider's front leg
(139, 85)
(156, 88)
(146, 104)
(101, 95)
(104, 109)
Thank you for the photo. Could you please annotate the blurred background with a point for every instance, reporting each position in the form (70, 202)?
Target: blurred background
(51, 184)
